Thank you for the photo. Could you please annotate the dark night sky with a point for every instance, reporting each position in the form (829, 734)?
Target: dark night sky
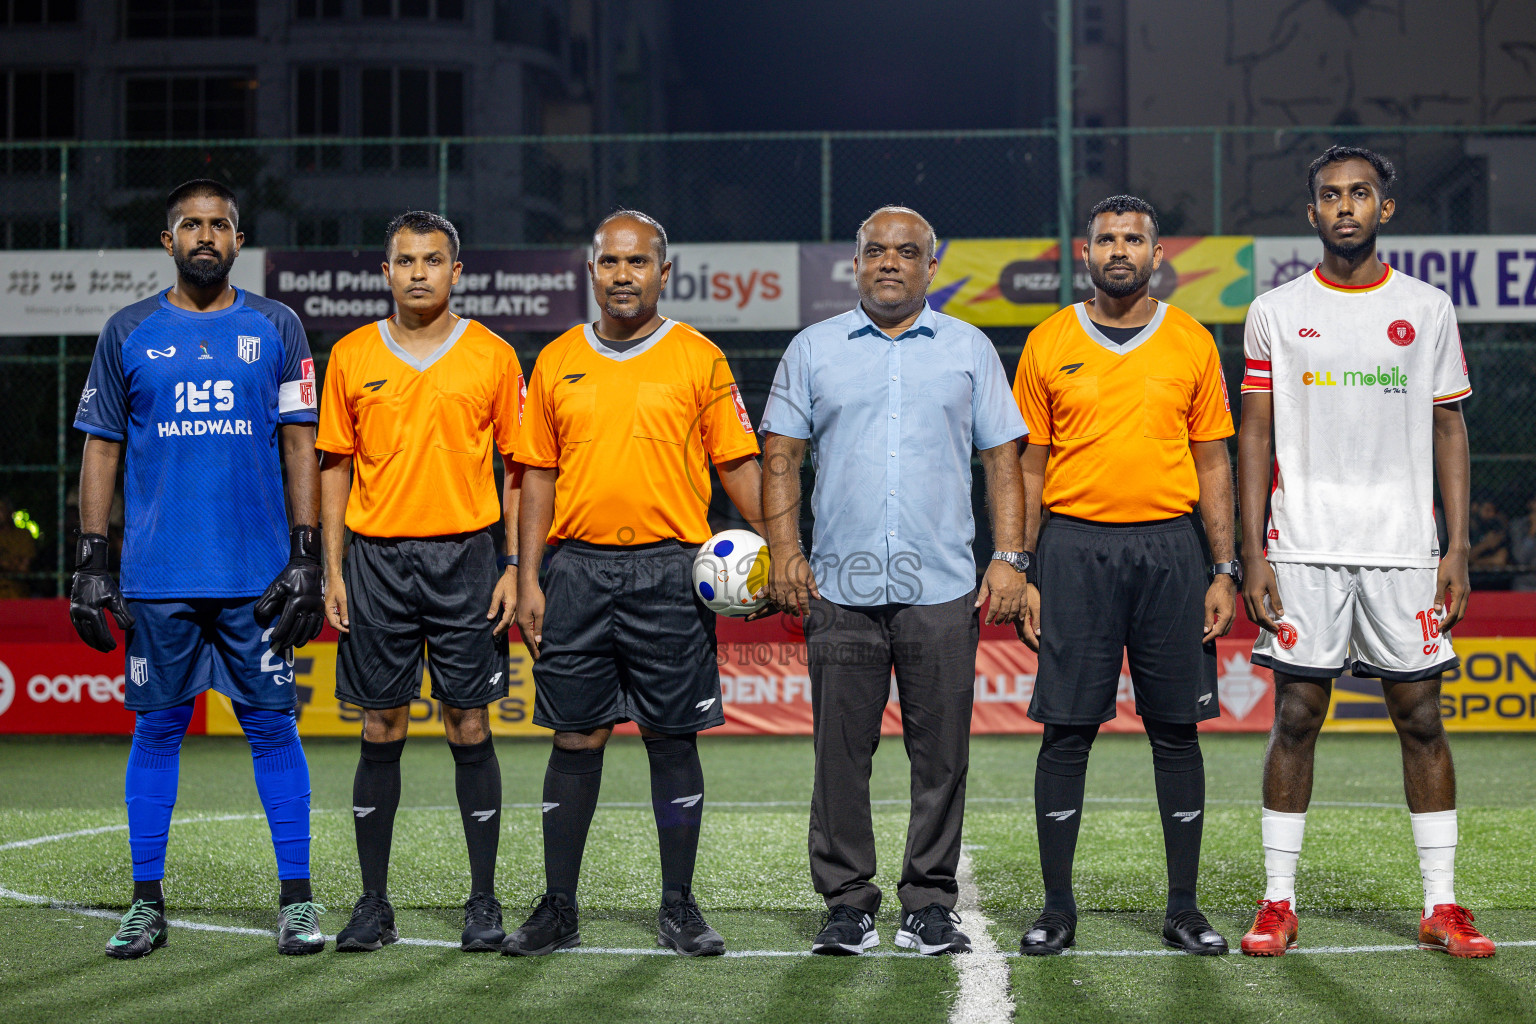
(859, 64)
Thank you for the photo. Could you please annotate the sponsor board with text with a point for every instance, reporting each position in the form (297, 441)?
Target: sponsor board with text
(733, 286)
(1493, 690)
(75, 291)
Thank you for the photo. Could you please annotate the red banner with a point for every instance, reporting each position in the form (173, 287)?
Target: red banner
(64, 688)
(767, 689)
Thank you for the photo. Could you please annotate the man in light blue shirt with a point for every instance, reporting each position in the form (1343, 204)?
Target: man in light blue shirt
(892, 398)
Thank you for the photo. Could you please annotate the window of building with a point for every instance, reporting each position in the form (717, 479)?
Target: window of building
(317, 111)
(188, 19)
(436, 10)
(303, 9)
(35, 106)
(39, 12)
(406, 102)
(189, 107)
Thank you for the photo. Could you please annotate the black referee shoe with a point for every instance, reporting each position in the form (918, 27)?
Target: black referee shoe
(1190, 931)
(372, 925)
(1051, 933)
(482, 924)
(551, 926)
(932, 932)
(847, 931)
(680, 927)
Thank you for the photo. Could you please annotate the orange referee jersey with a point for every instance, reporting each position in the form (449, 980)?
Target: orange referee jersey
(630, 433)
(420, 433)
(1119, 418)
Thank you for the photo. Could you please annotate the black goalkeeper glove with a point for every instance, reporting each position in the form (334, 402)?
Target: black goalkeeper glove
(93, 589)
(296, 594)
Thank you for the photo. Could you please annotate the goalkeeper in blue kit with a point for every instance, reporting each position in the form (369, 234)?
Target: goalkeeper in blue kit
(207, 394)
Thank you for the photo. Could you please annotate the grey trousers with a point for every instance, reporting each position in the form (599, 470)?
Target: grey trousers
(852, 651)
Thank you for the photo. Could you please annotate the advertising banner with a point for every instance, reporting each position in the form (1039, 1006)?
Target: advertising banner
(1011, 282)
(731, 286)
(64, 687)
(75, 291)
(505, 289)
(1490, 278)
(1494, 690)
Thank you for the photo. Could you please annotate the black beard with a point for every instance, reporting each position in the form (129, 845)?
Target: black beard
(1116, 290)
(638, 313)
(1349, 252)
(203, 275)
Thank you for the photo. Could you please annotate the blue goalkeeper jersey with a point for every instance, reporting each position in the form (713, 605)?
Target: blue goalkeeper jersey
(197, 398)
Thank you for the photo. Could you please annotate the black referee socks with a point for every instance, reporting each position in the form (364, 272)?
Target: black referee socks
(477, 779)
(1180, 771)
(1061, 772)
(571, 784)
(375, 796)
(677, 795)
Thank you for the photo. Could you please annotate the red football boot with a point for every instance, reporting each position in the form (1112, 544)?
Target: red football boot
(1273, 931)
(1449, 929)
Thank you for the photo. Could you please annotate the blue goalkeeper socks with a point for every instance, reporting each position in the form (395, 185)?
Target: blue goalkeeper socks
(282, 782)
(149, 786)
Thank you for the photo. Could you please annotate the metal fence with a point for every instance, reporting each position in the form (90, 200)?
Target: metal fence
(338, 193)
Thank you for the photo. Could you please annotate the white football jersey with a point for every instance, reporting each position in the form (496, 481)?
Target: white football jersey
(1355, 374)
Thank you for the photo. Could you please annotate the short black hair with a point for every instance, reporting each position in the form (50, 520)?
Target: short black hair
(1386, 174)
(644, 218)
(196, 188)
(423, 222)
(1123, 204)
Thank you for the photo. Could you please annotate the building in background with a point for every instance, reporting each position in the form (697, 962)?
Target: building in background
(322, 69)
(1349, 64)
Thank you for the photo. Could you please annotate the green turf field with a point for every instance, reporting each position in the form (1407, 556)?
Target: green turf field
(1358, 884)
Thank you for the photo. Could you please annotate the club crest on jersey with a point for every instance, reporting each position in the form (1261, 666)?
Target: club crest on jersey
(204, 346)
(250, 348)
(1400, 333)
(138, 670)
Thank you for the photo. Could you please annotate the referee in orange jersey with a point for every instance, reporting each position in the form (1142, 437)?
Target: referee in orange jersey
(1130, 417)
(622, 418)
(413, 406)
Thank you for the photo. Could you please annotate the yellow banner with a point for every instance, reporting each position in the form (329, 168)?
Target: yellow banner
(321, 714)
(1494, 690)
(1011, 282)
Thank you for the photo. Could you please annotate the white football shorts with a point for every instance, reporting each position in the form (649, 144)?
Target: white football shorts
(1373, 622)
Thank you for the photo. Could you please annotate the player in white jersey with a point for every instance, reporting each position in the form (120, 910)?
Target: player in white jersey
(1354, 383)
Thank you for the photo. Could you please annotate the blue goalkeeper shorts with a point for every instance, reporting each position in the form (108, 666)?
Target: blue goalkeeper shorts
(178, 649)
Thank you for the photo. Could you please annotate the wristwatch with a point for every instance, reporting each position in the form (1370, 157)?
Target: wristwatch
(1233, 568)
(505, 562)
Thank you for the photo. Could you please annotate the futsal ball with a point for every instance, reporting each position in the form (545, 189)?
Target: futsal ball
(731, 567)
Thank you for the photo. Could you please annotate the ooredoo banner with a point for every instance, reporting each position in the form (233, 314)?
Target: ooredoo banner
(505, 289)
(1490, 278)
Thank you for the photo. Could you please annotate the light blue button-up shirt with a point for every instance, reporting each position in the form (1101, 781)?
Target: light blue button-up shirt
(892, 422)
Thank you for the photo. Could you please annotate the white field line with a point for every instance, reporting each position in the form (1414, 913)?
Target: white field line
(983, 997)
(979, 956)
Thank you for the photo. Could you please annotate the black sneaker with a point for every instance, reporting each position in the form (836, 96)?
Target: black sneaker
(482, 924)
(141, 931)
(298, 929)
(846, 931)
(682, 928)
(372, 925)
(931, 931)
(551, 926)
(1190, 931)
(1051, 933)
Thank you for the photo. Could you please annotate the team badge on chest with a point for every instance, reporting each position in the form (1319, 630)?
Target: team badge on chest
(1400, 332)
(250, 348)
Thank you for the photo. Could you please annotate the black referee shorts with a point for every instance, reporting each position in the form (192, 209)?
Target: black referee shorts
(625, 639)
(1112, 591)
(403, 592)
